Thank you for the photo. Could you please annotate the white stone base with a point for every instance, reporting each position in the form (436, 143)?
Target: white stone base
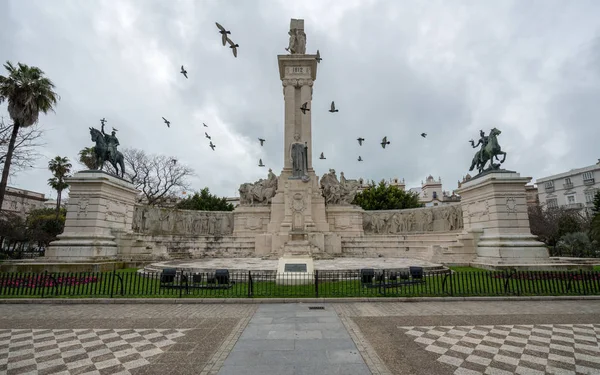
(100, 206)
(295, 278)
(511, 249)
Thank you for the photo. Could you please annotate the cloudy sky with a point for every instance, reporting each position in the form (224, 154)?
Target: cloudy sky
(395, 68)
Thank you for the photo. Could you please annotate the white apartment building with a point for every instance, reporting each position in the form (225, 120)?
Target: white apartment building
(21, 201)
(574, 189)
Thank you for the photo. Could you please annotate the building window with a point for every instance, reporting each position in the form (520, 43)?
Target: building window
(568, 184)
(435, 195)
(549, 185)
(571, 199)
(552, 203)
(588, 177)
(589, 196)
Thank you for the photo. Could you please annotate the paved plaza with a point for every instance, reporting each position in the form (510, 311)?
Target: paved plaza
(462, 337)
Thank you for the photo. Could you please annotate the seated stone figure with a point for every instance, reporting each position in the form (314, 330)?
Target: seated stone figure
(261, 191)
(338, 192)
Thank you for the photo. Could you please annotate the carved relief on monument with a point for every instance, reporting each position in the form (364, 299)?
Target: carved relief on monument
(116, 211)
(82, 206)
(340, 192)
(260, 192)
(163, 221)
(427, 219)
(511, 205)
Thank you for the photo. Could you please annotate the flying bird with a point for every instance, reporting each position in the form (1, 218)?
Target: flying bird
(261, 141)
(260, 163)
(103, 121)
(384, 142)
(115, 130)
(304, 108)
(167, 122)
(360, 140)
(223, 33)
(423, 135)
(206, 135)
(212, 146)
(184, 72)
(233, 46)
(359, 158)
(206, 126)
(318, 58)
(332, 109)
(322, 157)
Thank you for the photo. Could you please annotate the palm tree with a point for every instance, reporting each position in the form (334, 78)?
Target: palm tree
(28, 93)
(60, 168)
(87, 157)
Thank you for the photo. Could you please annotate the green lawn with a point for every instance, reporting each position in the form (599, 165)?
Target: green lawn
(465, 281)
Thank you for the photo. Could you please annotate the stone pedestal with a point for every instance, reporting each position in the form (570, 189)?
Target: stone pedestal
(495, 214)
(99, 205)
(346, 219)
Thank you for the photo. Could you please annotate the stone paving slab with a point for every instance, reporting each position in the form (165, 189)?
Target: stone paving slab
(119, 339)
(291, 339)
(477, 338)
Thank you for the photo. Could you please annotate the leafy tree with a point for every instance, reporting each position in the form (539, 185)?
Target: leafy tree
(28, 93)
(87, 157)
(575, 244)
(550, 224)
(45, 225)
(205, 201)
(595, 224)
(386, 197)
(60, 168)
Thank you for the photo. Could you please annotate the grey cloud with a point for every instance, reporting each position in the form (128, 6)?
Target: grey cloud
(395, 69)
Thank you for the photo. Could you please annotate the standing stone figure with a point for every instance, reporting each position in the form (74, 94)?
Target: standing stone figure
(297, 44)
(292, 44)
(299, 155)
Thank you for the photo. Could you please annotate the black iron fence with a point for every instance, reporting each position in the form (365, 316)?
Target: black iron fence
(263, 284)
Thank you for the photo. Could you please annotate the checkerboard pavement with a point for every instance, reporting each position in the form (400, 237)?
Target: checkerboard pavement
(513, 349)
(78, 351)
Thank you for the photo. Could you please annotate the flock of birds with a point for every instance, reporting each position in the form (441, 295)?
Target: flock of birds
(303, 108)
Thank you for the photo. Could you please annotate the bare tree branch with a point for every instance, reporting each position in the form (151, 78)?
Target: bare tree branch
(26, 146)
(157, 176)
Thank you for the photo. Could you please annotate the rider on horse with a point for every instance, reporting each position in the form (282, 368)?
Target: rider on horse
(111, 143)
(483, 141)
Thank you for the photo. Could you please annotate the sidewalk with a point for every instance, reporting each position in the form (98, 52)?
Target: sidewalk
(293, 339)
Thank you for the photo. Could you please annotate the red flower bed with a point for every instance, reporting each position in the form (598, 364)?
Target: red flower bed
(39, 281)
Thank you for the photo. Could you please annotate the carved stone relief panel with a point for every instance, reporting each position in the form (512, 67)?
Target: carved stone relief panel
(427, 219)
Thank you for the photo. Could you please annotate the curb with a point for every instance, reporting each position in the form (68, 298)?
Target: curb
(140, 301)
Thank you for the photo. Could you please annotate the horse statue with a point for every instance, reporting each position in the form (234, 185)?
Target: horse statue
(101, 153)
(490, 151)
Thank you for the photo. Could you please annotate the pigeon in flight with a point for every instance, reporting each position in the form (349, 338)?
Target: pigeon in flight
(423, 135)
(223, 33)
(318, 58)
(260, 163)
(322, 157)
(206, 135)
(332, 110)
(233, 46)
(262, 141)
(359, 158)
(103, 121)
(360, 140)
(212, 146)
(304, 108)
(167, 122)
(115, 130)
(384, 142)
(184, 72)
(206, 126)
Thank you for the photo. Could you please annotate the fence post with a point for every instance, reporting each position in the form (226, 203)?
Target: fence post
(112, 281)
(44, 282)
(249, 284)
(317, 283)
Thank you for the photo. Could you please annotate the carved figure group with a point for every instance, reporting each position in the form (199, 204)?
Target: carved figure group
(261, 191)
(161, 221)
(416, 220)
(338, 192)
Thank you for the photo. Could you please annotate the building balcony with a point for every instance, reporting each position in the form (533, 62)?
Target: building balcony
(574, 206)
(549, 189)
(568, 185)
(589, 181)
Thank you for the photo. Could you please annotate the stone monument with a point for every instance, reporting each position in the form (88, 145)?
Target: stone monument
(495, 210)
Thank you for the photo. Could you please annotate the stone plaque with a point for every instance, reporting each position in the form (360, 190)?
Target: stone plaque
(295, 267)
